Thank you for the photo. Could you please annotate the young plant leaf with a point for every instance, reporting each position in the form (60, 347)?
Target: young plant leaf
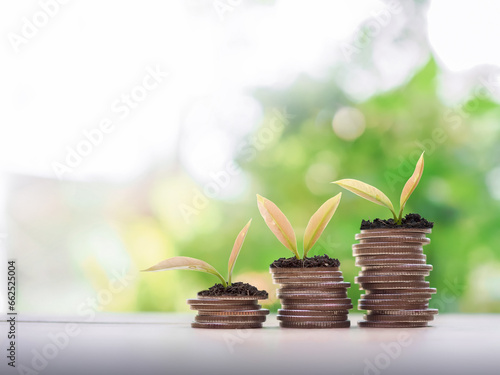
(411, 184)
(186, 263)
(319, 221)
(368, 192)
(278, 223)
(236, 250)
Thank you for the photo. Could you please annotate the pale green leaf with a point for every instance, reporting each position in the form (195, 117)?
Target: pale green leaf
(278, 223)
(366, 191)
(236, 250)
(186, 263)
(411, 184)
(319, 221)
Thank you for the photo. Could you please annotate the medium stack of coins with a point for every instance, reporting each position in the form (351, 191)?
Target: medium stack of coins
(312, 297)
(226, 312)
(393, 271)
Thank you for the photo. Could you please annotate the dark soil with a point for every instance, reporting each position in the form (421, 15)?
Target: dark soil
(409, 221)
(315, 261)
(235, 289)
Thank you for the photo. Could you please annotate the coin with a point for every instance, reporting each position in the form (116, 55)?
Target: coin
(389, 307)
(213, 301)
(317, 285)
(225, 307)
(368, 262)
(315, 301)
(394, 273)
(394, 251)
(398, 318)
(304, 269)
(388, 279)
(229, 319)
(231, 298)
(364, 323)
(400, 291)
(395, 285)
(226, 325)
(398, 268)
(306, 274)
(344, 324)
(310, 290)
(399, 240)
(386, 273)
(399, 297)
(311, 312)
(392, 301)
(409, 312)
(403, 247)
(319, 306)
(395, 231)
(322, 318)
(303, 280)
(260, 312)
(407, 240)
(387, 260)
(382, 257)
(336, 293)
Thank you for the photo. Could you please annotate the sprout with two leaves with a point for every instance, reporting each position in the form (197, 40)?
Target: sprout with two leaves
(282, 229)
(186, 263)
(376, 196)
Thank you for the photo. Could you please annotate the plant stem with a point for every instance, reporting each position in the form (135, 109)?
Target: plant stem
(399, 219)
(216, 273)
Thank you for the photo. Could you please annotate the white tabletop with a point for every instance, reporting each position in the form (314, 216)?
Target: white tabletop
(165, 344)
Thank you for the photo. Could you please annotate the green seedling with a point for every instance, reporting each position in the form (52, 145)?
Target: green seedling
(282, 229)
(376, 196)
(186, 263)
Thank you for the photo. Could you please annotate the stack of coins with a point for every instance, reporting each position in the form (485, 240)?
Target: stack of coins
(226, 312)
(393, 271)
(312, 297)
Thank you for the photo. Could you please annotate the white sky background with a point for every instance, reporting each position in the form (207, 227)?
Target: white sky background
(66, 77)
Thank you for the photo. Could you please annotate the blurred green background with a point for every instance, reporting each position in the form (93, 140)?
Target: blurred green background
(295, 170)
(81, 243)
(291, 158)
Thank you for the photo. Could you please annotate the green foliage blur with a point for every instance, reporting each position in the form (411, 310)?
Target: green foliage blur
(295, 166)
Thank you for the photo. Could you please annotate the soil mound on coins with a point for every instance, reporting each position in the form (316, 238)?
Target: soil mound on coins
(235, 289)
(408, 222)
(307, 262)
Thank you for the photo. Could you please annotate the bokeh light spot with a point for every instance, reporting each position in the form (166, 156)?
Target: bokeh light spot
(318, 178)
(349, 123)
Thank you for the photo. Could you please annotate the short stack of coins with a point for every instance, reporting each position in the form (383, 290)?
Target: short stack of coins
(312, 297)
(393, 270)
(228, 312)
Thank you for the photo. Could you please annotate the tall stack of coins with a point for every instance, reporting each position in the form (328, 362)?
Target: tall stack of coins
(393, 271)
(226, 312)
(312, 297)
